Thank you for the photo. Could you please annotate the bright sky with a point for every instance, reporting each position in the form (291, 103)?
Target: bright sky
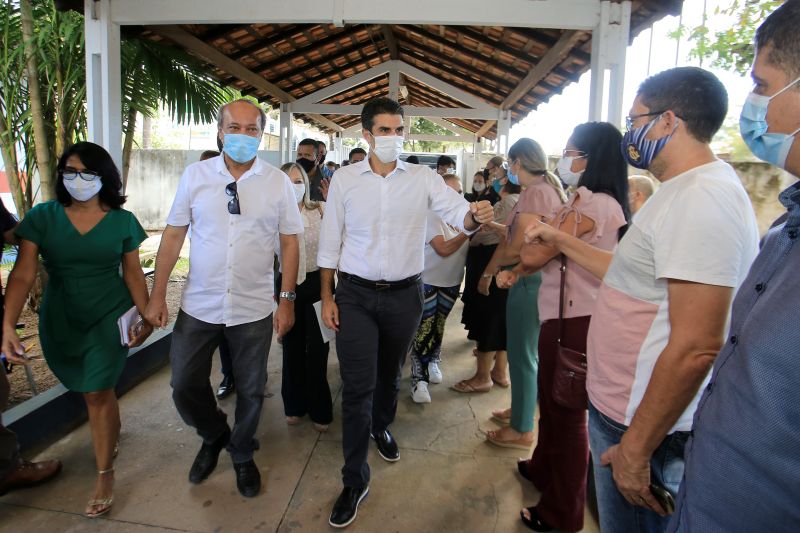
(552, 123)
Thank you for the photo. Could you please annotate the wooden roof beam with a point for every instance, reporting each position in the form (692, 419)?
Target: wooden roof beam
(217, 58)
(391, 41)
(546, 64)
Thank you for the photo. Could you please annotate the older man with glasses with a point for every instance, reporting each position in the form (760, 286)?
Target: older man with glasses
(239, 207)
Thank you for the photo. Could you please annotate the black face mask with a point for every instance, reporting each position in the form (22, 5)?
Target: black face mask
(307, 164)
(486, 174)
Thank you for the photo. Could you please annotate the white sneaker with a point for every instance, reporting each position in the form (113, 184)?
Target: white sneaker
(434, 372)
(419, 393)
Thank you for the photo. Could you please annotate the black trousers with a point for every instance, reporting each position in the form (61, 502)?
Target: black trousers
(304, 385)
(193, 343)
(375, 333)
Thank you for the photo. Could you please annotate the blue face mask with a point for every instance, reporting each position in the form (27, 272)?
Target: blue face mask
(497, 186)
(640, 152)
(770, 147)
(513, 178)
(241, 148)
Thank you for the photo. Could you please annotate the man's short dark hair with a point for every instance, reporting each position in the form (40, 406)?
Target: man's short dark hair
(355, 151)
(445, 160)
(321, 144)
(379, 106)
(695, 95)
(309, 142)
(781, 31)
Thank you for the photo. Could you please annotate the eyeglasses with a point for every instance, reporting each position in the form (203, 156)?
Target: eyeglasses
(86, 175)
(233, 204)
(631, 118)
(574, 153)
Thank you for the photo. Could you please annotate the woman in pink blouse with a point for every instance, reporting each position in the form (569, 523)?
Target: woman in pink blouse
(597, 212)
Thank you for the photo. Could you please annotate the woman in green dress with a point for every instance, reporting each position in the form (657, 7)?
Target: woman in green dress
(83, 237)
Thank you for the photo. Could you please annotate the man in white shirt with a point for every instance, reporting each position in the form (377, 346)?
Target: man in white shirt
(662, 310)
(374, 234)
(238, 207)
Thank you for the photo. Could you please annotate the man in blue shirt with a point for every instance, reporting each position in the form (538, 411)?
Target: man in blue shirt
(742, 469)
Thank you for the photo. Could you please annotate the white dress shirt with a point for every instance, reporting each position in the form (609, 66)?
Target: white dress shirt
(374, 227)
(231, 257)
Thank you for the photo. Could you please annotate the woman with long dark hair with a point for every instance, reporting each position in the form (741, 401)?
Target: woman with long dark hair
(84, 237)
(597, 212)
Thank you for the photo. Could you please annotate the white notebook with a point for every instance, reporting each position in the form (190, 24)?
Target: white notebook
(126, 322)
(327, 333)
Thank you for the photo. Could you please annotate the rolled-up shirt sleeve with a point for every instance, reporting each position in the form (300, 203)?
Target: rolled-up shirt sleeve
(447, 203)
(331, 228)
(181, 212)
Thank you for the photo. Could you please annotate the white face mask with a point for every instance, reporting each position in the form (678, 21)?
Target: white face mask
(388, 147)
(479, 187)
(299, 191)
(81, 189)
(569, 177)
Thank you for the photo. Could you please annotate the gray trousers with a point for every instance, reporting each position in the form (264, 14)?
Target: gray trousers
(9, 447)
(375, 333)
(193, 344)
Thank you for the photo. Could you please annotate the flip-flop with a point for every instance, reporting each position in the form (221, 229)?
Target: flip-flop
(503, 421)
(522, 469)
(502, 384)
(535, 522)
(517, 444)
(463, 386)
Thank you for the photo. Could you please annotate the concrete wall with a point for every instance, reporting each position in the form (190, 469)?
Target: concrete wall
(154, 177)
(763, 183)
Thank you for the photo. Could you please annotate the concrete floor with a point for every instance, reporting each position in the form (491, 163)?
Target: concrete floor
(448, 477)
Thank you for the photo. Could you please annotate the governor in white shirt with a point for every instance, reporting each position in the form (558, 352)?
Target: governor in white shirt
(239, 207)
(373, 233)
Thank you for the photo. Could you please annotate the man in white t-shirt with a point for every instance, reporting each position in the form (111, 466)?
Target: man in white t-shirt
(445, 256)
(240, 208)
(663, 308)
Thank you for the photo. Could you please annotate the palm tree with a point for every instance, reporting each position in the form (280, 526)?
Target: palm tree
(36, 126)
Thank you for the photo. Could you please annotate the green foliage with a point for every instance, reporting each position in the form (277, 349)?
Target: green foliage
(155, 75)
(733, 48)
(423, 126)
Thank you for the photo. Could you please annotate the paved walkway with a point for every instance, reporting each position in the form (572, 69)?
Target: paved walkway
(447, 480)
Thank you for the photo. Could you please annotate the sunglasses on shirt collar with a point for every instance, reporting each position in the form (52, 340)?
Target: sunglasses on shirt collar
(233, 204)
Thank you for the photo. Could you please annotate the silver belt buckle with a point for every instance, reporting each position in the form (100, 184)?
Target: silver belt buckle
(382, 285)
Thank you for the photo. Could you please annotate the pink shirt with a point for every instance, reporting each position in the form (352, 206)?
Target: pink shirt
(581, 286)
(539, 198)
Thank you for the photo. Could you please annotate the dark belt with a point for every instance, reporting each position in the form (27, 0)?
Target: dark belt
(381, 285)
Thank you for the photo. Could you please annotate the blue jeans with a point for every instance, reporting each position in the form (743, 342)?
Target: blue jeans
(666, 467)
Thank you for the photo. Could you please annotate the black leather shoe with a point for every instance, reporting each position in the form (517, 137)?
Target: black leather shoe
(226, 387)
(387, 446)
(207, 457)
(346, 507)
(248, 478)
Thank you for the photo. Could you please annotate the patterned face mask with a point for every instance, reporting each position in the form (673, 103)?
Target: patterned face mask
(640, 152)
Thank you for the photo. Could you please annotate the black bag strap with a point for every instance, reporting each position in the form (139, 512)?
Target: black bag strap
(561, 295)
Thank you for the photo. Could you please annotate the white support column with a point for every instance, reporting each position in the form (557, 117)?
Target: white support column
(503, 130)
(394, 82)
(337, 143)
(103, 78)
(609, 47)
(285, 134)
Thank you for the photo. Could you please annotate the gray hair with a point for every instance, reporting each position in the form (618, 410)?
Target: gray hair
(262, 115)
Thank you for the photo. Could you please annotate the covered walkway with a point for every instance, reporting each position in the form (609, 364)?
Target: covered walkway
(448, 477)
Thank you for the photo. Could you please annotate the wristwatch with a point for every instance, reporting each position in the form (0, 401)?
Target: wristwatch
(290, 296)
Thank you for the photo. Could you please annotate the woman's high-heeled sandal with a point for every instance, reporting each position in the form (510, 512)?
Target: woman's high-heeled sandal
(104, 502)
